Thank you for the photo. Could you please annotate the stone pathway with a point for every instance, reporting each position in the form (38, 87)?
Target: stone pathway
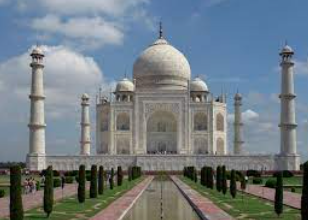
(119, 208)
(205, 208)
(34, 200)
(290, 199)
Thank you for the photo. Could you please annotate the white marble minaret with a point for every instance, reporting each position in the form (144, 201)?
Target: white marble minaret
(238, 125)
(37, 123)
(85, 126)
(287, 123)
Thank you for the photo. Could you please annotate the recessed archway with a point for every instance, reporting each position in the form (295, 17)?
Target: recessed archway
(162, 133)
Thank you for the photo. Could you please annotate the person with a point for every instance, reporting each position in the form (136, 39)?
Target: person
(26, 186)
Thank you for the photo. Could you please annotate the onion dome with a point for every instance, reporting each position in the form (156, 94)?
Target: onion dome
(125, 85)
(198, 85)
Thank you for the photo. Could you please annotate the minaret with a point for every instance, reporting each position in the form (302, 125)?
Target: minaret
(287, 124)
(35, 157)
(85, 126)
(37, 123)
(238, 125)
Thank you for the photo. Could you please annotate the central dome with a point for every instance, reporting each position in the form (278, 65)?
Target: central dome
(161, 66)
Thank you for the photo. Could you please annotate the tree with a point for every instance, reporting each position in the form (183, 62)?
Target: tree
(129, 173)
(111, 181)
(278, 201)
(224, 180)
(203, 176)
(101, 181)
(218, 179)
(93, 182)
(195, 174)
(233, 186)
(81, 187)
(211, 178)
(16, 203)
(119, 176)
(304, 196)
(48, 200)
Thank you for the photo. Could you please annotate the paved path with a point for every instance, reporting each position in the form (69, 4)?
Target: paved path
(119, 208)
(290, 199)
(205, 208)
(34, 200)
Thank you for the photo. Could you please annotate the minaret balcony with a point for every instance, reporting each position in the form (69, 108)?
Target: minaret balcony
(287, 96)
(288, 125)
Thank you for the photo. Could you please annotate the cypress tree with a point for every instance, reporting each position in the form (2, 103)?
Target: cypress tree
(202, 176)
(93, 182)
(129, 173)
(119, 176)
(81, 187)
(243, 185)
(224, 180)
(101, 180)
(211, 178)
(16, 203)
(233, 186)
(218, 179)
(48, 192)
(195, 174)
(111, 181)
(304, 196)
(278, 201)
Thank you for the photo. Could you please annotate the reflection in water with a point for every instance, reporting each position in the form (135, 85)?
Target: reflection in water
(175, 206)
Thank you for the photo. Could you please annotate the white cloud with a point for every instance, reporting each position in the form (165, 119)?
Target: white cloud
(67, 74)
(91, 32)
(249, 115)
(301, 67)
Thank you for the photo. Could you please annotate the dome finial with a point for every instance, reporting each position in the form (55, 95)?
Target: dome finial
(160, 30)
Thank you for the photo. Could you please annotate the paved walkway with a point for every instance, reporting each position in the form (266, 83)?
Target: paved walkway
(119, 208)
(205, 208)
(34, 200)
(290, 199)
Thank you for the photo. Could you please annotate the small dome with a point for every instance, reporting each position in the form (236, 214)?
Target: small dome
(85, 96)
(238, 96)
(287, 50)
(37, 51)
(125, 85)
(198, 85)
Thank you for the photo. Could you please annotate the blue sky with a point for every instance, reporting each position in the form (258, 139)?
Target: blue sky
(232, 44)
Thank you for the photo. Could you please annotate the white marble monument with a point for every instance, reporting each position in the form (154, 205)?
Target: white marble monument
(162, 120)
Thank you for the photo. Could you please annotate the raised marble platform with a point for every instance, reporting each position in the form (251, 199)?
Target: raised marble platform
(166, 162)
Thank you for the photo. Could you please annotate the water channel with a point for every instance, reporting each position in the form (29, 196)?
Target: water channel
(174, 205)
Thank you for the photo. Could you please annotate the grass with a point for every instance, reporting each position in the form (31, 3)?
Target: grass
(243, 207)
(70, 208)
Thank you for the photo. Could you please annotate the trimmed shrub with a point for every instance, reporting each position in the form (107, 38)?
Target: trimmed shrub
(224, 180)
(56, 173)
(233, 185)
(56, 182)
(101, 180)
(2, 193)
(16, 204)
(88, 177)
(243, 183)
(69, 179)
(257, 180)
(293, 189)
(287, 173)
(254, 173)
(218, 179)
(278, 200)
(119, 176)
(38, 185)
(111, 179)
(93, 182)
(271, 183)
(304, 195)
(81, 181)
(48, 200)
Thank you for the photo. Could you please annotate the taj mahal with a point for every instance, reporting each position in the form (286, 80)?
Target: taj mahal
(162, 119)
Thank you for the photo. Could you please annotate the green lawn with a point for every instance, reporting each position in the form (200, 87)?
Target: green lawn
(243, 207)
(70, 208)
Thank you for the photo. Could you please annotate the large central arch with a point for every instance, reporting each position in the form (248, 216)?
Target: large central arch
(162, 133)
